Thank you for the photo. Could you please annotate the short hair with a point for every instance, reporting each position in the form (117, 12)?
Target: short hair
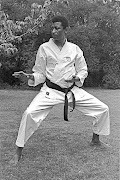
(61, 19)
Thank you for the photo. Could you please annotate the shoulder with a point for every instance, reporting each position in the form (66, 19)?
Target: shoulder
(75, 47)
(43, 46)
(71, 44)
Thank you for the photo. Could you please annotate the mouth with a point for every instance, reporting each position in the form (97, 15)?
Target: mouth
(55, 37)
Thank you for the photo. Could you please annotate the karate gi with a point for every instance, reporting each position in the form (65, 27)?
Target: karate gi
(59, 65)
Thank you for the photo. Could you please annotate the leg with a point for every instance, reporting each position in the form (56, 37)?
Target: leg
(27, 127)
(17, 156)
(91, 106)
(31, 119)
(19, 152)
(95, 140)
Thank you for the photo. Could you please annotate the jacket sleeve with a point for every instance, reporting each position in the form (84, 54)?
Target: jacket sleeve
(39, 68)
(81, 67)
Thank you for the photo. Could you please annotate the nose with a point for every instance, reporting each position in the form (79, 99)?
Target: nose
(53, 30)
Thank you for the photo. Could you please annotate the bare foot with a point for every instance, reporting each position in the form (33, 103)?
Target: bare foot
(16, 157)
(95, 143)
(99, 144)
(95, 140)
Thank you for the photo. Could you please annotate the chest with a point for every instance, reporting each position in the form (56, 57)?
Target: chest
(63, 56)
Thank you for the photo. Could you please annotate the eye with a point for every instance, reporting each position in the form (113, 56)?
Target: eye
(57, 28)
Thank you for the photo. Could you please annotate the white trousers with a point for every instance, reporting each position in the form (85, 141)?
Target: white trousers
(47, 98)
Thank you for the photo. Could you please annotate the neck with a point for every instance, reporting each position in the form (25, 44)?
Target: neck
(60, 42)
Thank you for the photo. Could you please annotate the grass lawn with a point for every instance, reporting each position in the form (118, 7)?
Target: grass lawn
(58, 150)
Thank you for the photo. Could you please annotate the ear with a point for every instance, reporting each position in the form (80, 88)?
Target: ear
(66, 30)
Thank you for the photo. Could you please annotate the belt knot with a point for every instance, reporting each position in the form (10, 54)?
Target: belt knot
(65, 90)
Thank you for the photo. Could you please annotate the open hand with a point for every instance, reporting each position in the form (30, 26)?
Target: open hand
(21, 74)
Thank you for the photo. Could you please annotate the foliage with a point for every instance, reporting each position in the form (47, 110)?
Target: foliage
(96, 31)
(93, 25)
(13, 34)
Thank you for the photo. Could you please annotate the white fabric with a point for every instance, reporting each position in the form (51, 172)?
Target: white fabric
(57, 66)
(47, 98)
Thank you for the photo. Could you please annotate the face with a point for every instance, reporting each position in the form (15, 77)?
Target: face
(57, 31)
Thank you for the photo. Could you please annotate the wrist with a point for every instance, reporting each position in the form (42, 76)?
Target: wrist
(77, 78)
(30, 76)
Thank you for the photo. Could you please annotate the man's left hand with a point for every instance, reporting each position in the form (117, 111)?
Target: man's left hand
(74, 79)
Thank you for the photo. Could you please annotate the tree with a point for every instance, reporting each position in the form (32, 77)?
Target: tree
(14, 33)
(96, 30)
(94, 26)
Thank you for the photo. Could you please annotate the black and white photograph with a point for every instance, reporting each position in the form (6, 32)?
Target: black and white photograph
(59, 89)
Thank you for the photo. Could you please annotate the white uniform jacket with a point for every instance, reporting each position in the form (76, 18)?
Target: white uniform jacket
(59, 65)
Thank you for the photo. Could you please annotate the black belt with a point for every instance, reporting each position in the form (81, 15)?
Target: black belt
(65, 90)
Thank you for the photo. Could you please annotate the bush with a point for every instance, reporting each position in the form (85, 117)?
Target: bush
(111, 81)
(94, 27)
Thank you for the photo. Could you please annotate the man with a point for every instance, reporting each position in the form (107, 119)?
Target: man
(61, 65)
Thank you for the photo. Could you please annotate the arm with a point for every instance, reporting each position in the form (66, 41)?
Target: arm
(38, 69)
(81, 69)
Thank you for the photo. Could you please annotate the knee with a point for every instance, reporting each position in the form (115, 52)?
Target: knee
(28, 111)
(28, 115)
(105, 107)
